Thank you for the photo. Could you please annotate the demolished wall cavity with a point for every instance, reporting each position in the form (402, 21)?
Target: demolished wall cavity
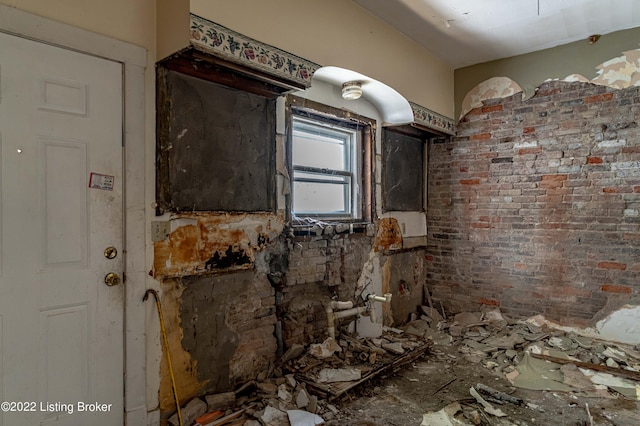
(240, 288)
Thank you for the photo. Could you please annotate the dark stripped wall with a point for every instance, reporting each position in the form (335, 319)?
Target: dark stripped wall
(535, 205)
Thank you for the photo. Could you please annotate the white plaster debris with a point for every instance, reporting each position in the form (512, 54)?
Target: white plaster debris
(330, 375)
(303, 418)
(273, 416)
(302, 398)
(325, 349)
(621, 326)
(444, 417)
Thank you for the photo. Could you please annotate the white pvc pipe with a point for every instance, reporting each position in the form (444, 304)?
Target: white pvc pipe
(350, 312)
(347, 310)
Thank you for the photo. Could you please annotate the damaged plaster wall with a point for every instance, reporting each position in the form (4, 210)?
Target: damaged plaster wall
(620, 72)
(239, 288)
(535, 205)
(531, 69)
(218, 302)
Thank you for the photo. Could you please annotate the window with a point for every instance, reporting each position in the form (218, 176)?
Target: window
(327, 168)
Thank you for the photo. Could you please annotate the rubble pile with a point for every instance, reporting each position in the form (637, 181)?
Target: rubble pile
(304, 389)
(300, 390)
(533, 355)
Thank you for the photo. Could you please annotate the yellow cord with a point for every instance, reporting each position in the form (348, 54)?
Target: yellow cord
(163, 331)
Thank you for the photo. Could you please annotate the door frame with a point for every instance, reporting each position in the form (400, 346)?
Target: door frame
(134, 62)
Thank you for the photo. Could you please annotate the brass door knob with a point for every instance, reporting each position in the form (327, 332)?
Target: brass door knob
(110, 252)
(112, 279)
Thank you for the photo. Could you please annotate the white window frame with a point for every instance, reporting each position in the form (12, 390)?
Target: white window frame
(351, 178)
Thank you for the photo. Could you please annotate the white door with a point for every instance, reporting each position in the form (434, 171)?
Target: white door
(61, 207)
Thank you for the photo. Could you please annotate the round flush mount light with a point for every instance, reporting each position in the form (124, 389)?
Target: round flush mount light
(351, 90)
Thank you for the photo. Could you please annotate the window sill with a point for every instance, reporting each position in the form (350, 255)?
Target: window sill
(306, 227)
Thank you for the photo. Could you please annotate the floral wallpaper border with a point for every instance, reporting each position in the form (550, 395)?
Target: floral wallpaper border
(241, 49)
(427, 118)
(230, 45)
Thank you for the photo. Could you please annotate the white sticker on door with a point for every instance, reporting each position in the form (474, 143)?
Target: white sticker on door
(100, 181)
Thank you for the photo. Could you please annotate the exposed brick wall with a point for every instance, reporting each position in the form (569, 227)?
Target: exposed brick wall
(228, 324)
(535, 205)
(320, 267)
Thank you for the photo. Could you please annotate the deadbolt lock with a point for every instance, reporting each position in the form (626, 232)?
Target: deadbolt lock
(110, 252)
(112, 279)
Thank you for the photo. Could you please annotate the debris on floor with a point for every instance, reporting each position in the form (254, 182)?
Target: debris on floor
(532, 356)
(299, 392)
(471, 368)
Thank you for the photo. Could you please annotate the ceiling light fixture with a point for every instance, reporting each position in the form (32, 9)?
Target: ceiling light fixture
(351, 90)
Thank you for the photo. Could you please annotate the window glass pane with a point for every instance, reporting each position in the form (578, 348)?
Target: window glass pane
(318, 151)
(298, 175)
(319, 198)
(323, 156)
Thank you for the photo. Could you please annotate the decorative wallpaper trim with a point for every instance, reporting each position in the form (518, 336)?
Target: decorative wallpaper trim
(432, 120)
(235, 47)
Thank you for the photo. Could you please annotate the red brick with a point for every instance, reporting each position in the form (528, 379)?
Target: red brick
(487, 155)
(489, 302)
(483, 225)
(612, 190)
(598, 98)
(613, 288)
(469, 181)
(492, 108)
(547, 92)
(533, 150)
(630, 150)
(612, 265)
(552, 181)
(565, 218)
(475, 111)
(428, 258)
(480, 136)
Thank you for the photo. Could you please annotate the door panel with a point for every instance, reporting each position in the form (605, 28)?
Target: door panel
(63, 170)
(61, 334)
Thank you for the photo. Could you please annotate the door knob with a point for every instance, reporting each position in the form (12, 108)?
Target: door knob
(110, 252)
(112, 279)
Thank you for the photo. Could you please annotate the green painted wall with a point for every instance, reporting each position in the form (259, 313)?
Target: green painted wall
(533, 68)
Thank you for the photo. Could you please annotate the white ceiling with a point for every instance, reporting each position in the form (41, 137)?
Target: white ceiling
(467, 32)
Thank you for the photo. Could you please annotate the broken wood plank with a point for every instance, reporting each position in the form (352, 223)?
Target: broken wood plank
(331, 391)
(444, 386)
(633, 375)
(228, 420)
